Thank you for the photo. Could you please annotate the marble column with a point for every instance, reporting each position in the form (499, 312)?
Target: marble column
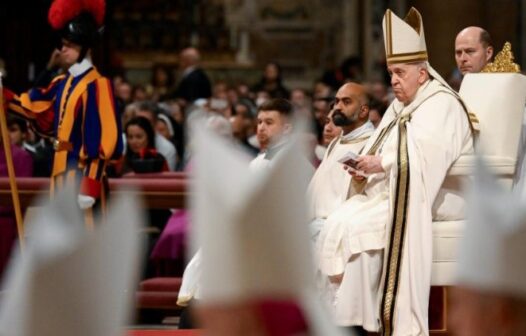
(350, 44)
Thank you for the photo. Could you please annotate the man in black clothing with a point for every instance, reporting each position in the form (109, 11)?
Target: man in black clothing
(193, 82)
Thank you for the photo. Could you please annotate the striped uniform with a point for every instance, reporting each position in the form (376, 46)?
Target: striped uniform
(79, 112)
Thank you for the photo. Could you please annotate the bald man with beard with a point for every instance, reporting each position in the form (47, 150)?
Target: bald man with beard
(473, 50)
(331, 184)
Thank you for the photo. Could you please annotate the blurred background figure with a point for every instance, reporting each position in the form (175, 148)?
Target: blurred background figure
(240, 130)
(321, 108)
(172, 131)
(141, 155)
(376, 111)
(23, 165)
(193, 81)
(330, 131)
(40, 149)
(161, 83)
(272, 82)
(150, 111)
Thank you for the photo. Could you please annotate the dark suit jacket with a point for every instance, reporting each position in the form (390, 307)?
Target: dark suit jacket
(193, 86)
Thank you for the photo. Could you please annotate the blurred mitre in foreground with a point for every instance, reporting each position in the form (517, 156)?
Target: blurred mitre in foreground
(493, 249)
(257, 272)
(72, 282)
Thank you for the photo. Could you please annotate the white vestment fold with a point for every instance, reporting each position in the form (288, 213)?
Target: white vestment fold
(331, 184)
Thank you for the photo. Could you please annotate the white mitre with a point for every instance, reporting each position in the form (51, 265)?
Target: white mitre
(405, 42)
(252, 229)
(493, 249)
(72, 282)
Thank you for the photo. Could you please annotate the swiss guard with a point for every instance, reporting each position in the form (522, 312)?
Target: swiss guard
(77, 109)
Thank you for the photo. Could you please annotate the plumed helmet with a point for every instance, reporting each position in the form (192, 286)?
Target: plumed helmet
(78, 21)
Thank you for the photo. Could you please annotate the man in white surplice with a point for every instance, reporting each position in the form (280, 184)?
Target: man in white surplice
(274, 129)
(331, 184)
(379, 242)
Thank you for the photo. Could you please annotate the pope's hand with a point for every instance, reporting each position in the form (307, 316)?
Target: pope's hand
(85, 202)
(369, 164)
(354, 173)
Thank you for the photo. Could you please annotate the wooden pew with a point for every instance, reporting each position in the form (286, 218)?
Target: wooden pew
(159, 191)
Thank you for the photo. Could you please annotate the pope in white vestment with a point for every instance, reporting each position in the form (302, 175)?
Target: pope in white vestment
(381, 239)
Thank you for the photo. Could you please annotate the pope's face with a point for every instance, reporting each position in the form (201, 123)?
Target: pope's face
(405, 80)
(470, 54)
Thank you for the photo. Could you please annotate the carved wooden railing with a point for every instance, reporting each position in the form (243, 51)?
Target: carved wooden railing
(159, 191)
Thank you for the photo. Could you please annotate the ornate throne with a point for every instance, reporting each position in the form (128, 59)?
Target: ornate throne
(497, 96)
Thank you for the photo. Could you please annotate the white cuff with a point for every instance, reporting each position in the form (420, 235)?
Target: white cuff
(85, 202)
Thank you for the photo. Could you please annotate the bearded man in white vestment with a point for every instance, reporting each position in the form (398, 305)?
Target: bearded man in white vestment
(331, 184)
(379, 242)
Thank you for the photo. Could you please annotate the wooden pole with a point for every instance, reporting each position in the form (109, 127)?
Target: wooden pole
(11, 170)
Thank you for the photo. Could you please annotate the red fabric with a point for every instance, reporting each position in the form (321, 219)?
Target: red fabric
(165, 166)
(45, 121)
(164, 333)
(63, 11)
(90, 187)
(157, 300)
(148, 153)
(8, 95)
(168, 284)
(281, 318)
(97, 9)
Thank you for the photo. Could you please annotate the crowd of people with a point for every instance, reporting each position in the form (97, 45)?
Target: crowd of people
(236, 102)
(154, 118)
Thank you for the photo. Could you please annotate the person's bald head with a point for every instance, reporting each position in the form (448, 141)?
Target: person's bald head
(354, 89)
(189, 57)
(473, 49)
(351, 105)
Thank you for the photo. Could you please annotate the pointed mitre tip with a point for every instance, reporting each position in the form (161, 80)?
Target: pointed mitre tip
(414, 19)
